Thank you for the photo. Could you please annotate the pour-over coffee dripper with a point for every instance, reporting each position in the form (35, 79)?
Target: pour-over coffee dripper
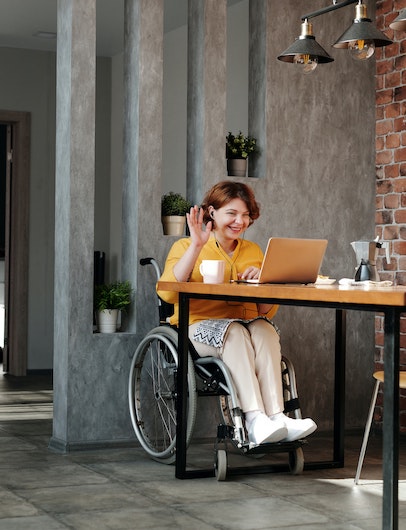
(366, 253)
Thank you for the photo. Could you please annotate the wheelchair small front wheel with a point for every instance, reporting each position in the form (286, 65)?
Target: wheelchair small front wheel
(152, 394)
(221, 464)
(296, 461)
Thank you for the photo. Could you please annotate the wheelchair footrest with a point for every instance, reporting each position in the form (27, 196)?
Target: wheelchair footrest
(226, 432)
(276, 447)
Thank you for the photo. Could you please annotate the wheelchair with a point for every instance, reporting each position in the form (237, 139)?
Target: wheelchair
(152, 398)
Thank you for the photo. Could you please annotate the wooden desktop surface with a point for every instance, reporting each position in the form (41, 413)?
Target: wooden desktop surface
(379, 296)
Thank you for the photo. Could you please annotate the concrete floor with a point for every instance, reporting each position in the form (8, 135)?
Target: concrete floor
(123, 489)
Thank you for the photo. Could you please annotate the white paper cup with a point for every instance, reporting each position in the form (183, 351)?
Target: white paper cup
(212, 270)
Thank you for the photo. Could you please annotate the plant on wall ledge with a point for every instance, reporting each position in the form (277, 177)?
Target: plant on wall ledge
(174, 204)
(109, 299)
(173, 211)
(116, 295)
(238, 148)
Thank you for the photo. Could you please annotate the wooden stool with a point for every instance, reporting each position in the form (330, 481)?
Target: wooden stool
(379, 376)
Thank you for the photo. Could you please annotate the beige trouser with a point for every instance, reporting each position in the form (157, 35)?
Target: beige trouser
(252, 353)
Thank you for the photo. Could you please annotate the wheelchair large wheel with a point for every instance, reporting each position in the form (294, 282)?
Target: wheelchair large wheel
(152, 394)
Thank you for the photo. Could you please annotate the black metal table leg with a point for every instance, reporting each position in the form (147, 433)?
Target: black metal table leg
(391, 421)
(339, 395)
(339, 386)
(181, 396)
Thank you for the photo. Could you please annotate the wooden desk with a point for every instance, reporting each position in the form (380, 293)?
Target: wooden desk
(391, 301)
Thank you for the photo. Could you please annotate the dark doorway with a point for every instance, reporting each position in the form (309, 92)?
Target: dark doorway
(5, 147)
(4, 131)
(14, 237)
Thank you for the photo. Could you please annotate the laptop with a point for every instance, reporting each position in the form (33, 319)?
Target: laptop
(290, 260)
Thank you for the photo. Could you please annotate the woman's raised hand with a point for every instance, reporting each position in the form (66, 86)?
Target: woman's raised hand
(184, 267)
(198, 234)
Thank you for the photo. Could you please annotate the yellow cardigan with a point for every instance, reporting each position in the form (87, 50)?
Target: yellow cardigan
(245, 255)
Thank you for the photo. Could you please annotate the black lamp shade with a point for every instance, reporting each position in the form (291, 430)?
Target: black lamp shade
(305, 45)
(362, 29)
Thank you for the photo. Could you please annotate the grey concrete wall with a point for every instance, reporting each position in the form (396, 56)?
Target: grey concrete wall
(175, 92)
(318, 181)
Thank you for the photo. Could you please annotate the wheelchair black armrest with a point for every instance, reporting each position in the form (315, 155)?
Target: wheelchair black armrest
(146, 261)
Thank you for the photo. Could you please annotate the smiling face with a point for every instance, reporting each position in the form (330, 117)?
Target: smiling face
(231, 220)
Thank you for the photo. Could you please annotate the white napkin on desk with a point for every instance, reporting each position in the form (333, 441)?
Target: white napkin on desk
(365, 283)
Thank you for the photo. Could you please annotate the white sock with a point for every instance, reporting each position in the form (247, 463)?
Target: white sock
(277, 416)
(251, 415)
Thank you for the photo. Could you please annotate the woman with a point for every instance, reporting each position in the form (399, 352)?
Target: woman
(241, 334)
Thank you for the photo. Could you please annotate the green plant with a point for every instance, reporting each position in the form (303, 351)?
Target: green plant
(116, 295)
(174, 204)
(240, 146)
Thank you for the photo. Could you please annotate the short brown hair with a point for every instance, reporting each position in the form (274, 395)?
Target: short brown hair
(224, 192)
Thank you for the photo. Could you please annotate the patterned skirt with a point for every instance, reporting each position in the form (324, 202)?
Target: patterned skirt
(213, 332)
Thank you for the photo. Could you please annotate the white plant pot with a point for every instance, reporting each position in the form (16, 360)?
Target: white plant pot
(237, 167)
(174, 225)
(107, 320)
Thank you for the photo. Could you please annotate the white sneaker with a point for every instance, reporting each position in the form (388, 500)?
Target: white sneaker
(262, 430)
(297, 428)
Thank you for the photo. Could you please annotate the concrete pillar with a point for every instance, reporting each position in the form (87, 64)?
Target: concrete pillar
(74, 198)
(90, 369)
(206, 114)
(259, 21)
(143, 78)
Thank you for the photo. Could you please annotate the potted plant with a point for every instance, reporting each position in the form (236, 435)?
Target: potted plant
(173, 211)
(109, 299)
(238, 148)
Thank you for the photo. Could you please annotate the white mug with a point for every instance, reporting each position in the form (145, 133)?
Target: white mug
(212, 270)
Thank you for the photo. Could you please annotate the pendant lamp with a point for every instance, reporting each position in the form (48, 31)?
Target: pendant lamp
(360, 39)
(306, 51)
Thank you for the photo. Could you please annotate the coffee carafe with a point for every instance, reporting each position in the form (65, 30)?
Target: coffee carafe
(366, 253)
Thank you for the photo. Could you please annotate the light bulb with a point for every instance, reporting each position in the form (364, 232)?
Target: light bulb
(361, 49)
(307, 62)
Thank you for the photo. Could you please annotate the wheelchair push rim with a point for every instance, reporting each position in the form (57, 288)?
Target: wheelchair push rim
(152, 394)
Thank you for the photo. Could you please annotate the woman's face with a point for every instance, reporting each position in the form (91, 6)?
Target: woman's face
(231, 220)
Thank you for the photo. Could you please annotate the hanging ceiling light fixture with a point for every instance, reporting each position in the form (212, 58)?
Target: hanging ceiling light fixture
(362, 36)
(361, 39)
(400, 21)
(306, 51)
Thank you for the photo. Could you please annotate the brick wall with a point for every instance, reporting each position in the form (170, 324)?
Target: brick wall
(391, 171)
